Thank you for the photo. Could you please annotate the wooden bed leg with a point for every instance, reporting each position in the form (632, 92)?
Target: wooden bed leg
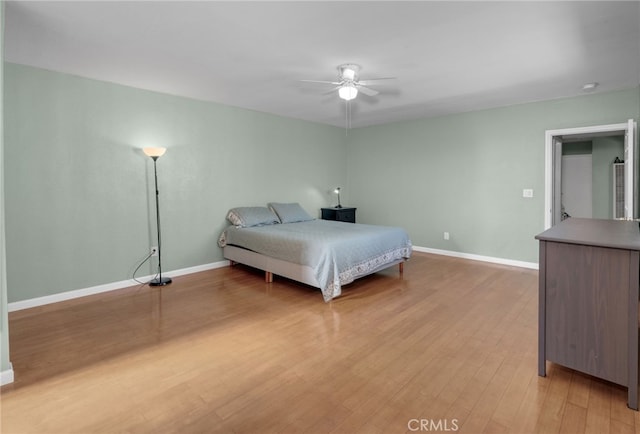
(268, 276)
(401, 267)
(232, 263)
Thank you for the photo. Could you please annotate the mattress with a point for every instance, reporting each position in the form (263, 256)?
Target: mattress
(337, 252)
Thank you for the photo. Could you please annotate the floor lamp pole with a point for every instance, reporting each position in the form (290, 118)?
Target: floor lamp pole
(159, 281)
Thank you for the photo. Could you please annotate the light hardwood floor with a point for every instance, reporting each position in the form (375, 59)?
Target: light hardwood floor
(452, 342)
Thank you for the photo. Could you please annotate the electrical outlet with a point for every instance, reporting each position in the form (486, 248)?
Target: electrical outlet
(446, 235)
(154, 251)
(527, 192)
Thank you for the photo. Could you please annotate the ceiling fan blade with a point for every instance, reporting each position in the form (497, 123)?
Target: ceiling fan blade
(332, 90)
(373, 81)
(367, 91)
(321, 81)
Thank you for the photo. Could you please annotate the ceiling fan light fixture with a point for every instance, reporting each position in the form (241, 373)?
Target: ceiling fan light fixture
(348, 92)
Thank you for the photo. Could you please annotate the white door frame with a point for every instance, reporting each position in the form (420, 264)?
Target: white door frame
(623, 128)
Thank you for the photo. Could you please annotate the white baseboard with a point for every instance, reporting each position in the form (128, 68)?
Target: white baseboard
(6, 377)
(68, 295)
(521, 264)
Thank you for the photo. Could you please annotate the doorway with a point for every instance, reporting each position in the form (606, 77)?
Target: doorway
(557, 140)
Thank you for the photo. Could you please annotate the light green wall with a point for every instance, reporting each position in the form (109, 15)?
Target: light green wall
(79, 197)
(465, 173)
(4, 321)
(605, 151)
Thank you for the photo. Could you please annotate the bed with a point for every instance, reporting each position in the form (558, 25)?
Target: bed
(284, 240)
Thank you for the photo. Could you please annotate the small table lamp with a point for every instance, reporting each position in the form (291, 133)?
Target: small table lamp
(337, 191)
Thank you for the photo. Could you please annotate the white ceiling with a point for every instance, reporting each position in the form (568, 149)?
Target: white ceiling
(448, 57)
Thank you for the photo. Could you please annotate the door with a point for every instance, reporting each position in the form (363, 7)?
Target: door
(557, 181)
(577, 185)
(630, 187)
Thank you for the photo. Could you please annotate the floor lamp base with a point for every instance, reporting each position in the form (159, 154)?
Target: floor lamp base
(160, 282)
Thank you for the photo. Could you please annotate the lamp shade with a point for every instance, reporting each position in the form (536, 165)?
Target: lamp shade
(348, 92)
(154, 152)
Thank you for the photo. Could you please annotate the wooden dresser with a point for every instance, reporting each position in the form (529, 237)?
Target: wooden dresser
(588, 305)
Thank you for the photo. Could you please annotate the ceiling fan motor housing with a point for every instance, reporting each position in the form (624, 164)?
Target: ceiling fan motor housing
(349, 72)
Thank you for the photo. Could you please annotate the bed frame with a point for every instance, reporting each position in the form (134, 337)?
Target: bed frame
(297, 272)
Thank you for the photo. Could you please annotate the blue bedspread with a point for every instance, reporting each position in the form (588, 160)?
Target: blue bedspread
(337, 252)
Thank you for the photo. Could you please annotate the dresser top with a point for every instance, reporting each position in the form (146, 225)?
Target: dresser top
(616, 234)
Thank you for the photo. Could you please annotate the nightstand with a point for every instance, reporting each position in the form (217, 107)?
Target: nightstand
(339, 214)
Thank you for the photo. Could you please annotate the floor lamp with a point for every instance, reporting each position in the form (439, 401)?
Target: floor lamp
(156, 153)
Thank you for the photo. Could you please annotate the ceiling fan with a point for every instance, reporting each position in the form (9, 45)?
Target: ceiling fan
(349, 83)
